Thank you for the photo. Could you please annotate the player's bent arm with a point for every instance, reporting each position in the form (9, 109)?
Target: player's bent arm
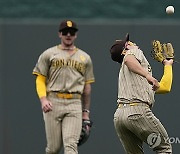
(86, 100)
(41, 85)
(133, 64)
(166, 80)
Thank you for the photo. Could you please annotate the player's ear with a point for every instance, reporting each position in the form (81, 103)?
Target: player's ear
(75, 35)
(60, 34)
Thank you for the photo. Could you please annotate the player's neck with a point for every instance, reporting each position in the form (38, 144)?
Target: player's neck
(71, 50)
(67, 48)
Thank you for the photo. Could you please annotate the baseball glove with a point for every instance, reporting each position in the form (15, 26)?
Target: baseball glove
(162, 51)
(85, 132)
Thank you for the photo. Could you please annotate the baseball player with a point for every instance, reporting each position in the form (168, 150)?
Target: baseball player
(133, 120)
(63, 83)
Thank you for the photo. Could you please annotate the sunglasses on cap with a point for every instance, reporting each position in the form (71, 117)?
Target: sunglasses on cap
(72, 32)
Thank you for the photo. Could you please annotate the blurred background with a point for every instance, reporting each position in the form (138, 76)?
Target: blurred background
(28, 27)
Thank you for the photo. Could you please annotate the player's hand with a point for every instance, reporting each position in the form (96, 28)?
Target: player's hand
(45, 104)
(154, 82)
(85, 116)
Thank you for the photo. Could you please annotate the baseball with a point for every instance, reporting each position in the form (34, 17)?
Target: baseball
(170, 10)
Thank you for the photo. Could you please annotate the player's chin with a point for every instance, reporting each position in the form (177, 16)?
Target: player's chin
(68, 42)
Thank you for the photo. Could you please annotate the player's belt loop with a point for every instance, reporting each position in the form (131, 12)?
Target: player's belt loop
(68, 95)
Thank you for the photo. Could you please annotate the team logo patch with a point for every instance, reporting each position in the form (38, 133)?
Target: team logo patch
(69, 23)
(82, 58)
(153, 140)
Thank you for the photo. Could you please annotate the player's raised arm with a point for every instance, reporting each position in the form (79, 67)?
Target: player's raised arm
(132, 63)
(167, 78)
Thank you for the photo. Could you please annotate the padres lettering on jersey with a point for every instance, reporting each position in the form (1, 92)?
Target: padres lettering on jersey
(65, 72)
(134, 87)
(80, 67)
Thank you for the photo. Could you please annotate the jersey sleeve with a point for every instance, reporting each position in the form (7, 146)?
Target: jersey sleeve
(42, 65)
(137, 53)
(89, 74)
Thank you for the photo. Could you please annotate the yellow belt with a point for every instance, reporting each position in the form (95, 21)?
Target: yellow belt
(131, 104)
(68, 96)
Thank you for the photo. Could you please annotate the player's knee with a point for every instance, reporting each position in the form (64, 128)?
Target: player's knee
(71, 148)
(50, 150)
(70, 145)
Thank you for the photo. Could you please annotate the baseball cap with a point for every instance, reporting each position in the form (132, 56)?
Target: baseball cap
(117, 48)
(66, 24)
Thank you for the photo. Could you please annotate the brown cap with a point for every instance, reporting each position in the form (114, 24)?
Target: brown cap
(117, 49)
(66, 24)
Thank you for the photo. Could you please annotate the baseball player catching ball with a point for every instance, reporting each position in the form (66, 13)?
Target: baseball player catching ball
(64, 74)
(133, 120)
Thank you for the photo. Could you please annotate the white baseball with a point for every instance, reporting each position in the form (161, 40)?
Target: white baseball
(170, 10)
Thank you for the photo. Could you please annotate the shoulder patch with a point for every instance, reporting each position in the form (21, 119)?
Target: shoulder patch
(82, 58)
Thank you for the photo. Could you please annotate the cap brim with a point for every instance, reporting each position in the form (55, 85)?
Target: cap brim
(68, 28)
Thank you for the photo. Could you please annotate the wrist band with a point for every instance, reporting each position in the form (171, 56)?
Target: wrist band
(86, 110)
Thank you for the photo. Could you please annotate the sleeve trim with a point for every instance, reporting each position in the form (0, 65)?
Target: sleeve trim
(90, 81)
(36, 73)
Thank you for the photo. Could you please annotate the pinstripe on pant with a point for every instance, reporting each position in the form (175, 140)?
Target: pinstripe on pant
(63, 125)
(134, 124)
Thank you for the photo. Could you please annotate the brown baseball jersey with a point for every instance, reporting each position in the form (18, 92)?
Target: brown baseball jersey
(65, 72)
(133, 87)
